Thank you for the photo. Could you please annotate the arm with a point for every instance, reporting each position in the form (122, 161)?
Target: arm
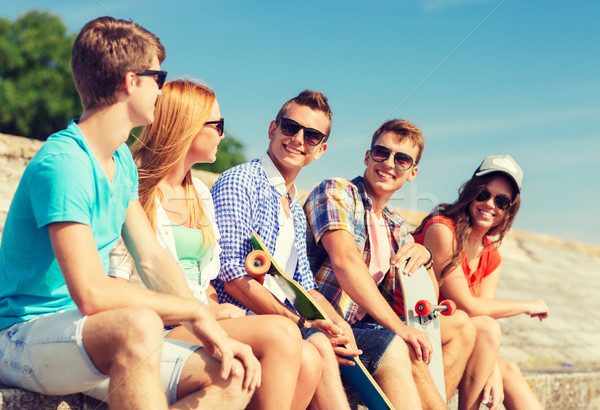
(440, 240)
(355, 279)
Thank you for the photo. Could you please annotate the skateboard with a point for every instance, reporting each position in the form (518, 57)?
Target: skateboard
(260, 262)
(422, 312)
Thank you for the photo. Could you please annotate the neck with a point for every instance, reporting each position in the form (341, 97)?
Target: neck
(476, 236)
(288, 176)
(105, 129)
(379, 201)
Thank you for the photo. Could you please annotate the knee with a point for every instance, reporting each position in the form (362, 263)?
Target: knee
(488, 331)
(140, 331)
(467, 332)
(284, 334)
(397, 359)
(310, 364)
(324, 349)
(509, 370)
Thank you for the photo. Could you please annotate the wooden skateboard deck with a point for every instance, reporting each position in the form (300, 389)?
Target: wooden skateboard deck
(357, 375)
(419, 297)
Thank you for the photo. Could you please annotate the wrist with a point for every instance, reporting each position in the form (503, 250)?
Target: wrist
(429, 264)
(301, 321)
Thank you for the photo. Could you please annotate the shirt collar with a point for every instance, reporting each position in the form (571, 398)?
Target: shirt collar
(275, 178)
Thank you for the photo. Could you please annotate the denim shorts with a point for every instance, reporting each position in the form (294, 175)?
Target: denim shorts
(46, 355)
(371, 338)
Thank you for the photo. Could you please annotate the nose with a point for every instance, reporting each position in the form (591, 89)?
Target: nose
(390, 161)
(299, 137)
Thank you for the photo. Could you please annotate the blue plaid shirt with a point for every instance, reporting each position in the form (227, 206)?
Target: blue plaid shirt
(245, 202)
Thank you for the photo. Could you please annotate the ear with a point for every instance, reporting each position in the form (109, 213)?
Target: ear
(413, 173)
(129, 82)
(320, 151)
(367, 156)
(272, 128)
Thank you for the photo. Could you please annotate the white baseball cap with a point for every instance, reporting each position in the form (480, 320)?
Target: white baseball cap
(501, 163)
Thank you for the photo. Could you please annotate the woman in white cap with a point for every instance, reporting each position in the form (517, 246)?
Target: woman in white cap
(463, 237)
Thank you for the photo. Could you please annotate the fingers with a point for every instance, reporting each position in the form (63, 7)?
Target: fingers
(344, 355)
(416, 255)
(251, 365)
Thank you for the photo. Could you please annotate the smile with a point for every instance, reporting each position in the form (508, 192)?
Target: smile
(292, 150)
(384, 174)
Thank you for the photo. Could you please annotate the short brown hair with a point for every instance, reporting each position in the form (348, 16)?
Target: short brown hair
(402, 129)
(105, 50)
(314, 100)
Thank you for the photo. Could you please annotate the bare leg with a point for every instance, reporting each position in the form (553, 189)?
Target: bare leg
(458, 335)
(330, 393)
(481, 363)
(126, 345)
(394, 376)
(277, 345)
(430, 398)
(309, 377)
(201, 387)
(517, 393)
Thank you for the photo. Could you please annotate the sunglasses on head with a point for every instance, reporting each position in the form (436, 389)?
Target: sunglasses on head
(220, 125)
(290, 128)
(403, 161)
(159, 76)
(503, 202)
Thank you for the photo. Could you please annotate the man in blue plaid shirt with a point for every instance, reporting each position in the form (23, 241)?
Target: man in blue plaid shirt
(357, 243)
(260, 196)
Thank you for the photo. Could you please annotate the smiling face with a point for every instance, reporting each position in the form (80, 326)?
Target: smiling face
(486, 214)
(205, 144)
(291, 153)
(382, 179)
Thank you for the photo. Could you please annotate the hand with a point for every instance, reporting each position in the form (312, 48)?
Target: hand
(493, 391)
(420, 342)
(341, 339)
(418, 255)
(538, 308)
(226, 311)
(213, 337)
(251, 364)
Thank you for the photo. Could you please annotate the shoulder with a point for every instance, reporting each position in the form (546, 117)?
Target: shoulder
(332, 188)
(243, 173)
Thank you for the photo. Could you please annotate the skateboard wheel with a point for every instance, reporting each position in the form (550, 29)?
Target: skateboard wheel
(450, 307)
(423, 308)
(257, 265)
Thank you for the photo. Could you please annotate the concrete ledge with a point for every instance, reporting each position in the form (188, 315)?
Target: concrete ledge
(557, 389)
(18, 399)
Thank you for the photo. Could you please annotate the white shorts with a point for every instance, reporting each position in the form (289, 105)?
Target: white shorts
(46, 355)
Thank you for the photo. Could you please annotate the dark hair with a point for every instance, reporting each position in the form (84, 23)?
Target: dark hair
(458, 212)
(403, 130)
(314, 100)
(105, 50)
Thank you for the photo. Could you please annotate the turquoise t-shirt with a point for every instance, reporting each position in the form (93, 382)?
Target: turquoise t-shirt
(63, 183)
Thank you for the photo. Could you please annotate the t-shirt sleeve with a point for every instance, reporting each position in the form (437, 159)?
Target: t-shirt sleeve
(62, 190)
(329, 207)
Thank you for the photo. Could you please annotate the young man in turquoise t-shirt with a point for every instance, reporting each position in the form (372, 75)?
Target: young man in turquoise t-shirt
(76, 198)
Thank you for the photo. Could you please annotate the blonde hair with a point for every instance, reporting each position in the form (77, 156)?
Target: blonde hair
(105, 50)
(181, 111)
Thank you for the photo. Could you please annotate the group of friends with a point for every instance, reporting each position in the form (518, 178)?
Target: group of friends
(92, 294)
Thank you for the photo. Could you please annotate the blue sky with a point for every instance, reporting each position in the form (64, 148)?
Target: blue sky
(479, 77)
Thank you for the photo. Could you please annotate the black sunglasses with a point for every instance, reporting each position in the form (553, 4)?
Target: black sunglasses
(403, 161)
(159, 76)
(503, 202)
(290, 128)
(220, 125)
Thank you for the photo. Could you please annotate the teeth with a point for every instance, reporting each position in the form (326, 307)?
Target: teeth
(485, 213)
(384, 174)
(293, 150)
